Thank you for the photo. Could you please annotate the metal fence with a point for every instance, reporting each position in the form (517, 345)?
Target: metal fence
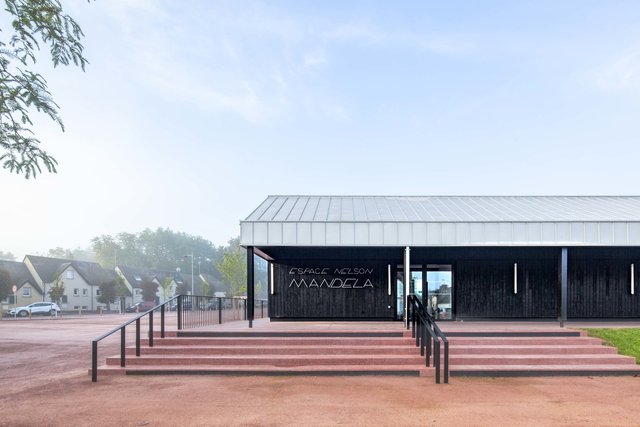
(194, 311)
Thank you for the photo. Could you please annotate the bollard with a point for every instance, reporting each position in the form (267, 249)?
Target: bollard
(100, 310)
(29, 313)
(79, 310)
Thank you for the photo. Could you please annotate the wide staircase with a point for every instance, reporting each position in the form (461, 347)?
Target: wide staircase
(526, 352)
(274, 353)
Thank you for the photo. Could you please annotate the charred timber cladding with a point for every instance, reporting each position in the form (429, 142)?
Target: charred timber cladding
(328, 270)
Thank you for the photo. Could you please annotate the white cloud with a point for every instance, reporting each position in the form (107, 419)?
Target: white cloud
(314, 59)
(373, 35)
(620, 74)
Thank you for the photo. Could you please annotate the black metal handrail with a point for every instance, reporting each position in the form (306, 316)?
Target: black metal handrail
(191, 312)
(122, 328)
(425, 330)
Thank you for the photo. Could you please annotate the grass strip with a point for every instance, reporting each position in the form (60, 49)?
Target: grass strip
(626, 340)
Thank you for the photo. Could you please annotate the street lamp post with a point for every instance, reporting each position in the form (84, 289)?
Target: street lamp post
(192, 282)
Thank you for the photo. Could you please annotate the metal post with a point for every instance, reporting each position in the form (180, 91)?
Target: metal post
(122, 346)
(446, 362)
(162, 321)
(151, 329)
(94, 361)
(250, 307)
(179, 312)
(407, 276)
(436, 358)
(219, 310)
(138, 337)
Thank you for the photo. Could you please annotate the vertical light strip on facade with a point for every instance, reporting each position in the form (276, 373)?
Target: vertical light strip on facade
(633, 279)
(515, 277)
(273, 284)
(389, 279)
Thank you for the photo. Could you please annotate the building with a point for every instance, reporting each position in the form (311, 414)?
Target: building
(466, 257)
(81, 280)
(28, 290)
(134, 277)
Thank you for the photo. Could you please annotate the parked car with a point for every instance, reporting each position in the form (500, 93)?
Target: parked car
(213, 304)
(186, 305)
(43, 308)
(140, 307)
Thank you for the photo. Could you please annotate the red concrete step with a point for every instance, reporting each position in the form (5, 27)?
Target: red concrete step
(266, 370)
(541, 359)
(275, 349)
(279, 341)
(460, 341)
(544, 370)
(531, 349)
(281, 360)
(516, 333)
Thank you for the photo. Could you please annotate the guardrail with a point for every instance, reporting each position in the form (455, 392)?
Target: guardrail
(426, 331)
(191, 311)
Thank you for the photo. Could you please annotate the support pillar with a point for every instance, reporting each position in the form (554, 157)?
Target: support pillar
(564, 281)
(407, 278)
(250, 286)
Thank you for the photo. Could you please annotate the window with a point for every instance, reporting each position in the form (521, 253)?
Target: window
(65, 299)
(85, 292)
(26, 291)
(138, 291)
(70, 274)
(98, 292)
(75, 307)
(84, 307)
(76, 292)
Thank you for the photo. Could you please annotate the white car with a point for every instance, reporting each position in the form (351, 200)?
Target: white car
(43, 308)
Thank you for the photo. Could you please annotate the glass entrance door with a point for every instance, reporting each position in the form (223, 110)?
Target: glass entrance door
(439, 299)
(416, 287)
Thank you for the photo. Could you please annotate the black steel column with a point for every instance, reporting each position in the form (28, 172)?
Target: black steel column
(564, 279)
(250, 285)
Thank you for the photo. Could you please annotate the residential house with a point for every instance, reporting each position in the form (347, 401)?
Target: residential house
(81, 279)
(28, 290)
(134, 277)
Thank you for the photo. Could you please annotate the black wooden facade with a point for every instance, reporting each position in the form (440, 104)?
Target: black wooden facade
(599, 282)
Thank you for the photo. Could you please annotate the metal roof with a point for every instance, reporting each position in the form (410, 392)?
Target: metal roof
(443, 220)
(447, 208)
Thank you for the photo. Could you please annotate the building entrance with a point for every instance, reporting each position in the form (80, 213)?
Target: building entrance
(432, 284)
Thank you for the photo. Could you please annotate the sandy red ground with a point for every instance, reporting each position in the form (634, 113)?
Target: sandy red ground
(44, 381)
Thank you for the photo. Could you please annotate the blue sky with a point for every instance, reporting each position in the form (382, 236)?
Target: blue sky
(191, 113)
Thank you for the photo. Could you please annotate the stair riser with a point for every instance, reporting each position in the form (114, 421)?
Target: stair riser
(140, 361)
(524, 341)
(280, 341)
(505, 360)
(520, 350)
(256, 351)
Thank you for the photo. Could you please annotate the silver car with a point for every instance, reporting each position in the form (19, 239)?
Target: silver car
(43, 308)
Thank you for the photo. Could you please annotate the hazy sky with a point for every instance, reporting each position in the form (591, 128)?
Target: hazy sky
(192, 112)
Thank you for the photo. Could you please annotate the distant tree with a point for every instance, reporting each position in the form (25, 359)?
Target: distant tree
(22, 89)
(161, 249)
(81, 254)
(233, 267)
(5, 284)
(60, 253)
(206, 288)
(166, 287)
(149, 290)
(108, 292)
(57, 291)
(121, 287)
(7, 256)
